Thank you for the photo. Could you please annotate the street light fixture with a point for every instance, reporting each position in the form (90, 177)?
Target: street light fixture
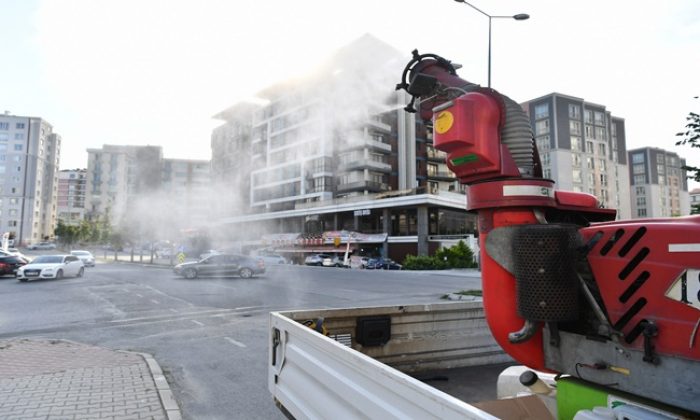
(519, 16)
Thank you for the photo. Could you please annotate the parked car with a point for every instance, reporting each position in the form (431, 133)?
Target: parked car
(42, 245)
(85, 256)
(221, 265)
(51, 267)
(334, 261)
(315, 259)
(272, 259)
(9, 264)
(383, 264)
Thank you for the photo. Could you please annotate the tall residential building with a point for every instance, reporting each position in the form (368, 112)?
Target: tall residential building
(71, 196)
(695, 201)
(582, 148)
(118, 174)
(335, 151)
(188, 183)
(29, 159)
(659, 183)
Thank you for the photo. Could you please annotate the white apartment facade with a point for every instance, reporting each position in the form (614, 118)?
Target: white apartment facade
(188, 183)
(29, 160)
(71, 196)
(659, 183)
(118, 173)
(582, 147)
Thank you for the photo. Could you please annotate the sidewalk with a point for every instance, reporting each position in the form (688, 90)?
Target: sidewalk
(58, 379)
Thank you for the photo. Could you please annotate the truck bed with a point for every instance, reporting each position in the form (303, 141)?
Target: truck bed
(436, 359)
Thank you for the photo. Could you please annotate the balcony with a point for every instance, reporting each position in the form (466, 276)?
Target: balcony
(436, 155)
(365, 164)
(441, 175)
(363, 186)
(373, 145)
(379, 125)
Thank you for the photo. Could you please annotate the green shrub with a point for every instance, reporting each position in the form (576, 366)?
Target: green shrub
(457, 256)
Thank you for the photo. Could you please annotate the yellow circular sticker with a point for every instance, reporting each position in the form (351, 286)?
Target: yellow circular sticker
(444, 121)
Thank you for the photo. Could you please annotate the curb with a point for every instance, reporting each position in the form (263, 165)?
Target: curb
(167, 399)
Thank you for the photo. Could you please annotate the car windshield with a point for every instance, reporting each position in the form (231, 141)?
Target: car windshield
(48, 259)
(80, 253)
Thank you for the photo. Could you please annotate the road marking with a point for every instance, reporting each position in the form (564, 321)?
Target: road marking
(197, 322)
(139, 295)
(155, 301)
(234, 342)
(175, 311)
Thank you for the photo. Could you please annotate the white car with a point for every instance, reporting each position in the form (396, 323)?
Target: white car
(42, 245)
(85, 256)
(51, 267)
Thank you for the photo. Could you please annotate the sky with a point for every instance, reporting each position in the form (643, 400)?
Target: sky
(155, 72)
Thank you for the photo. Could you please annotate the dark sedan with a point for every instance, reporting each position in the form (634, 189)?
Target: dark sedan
(221, 265)
(10, 263)
(382, 264)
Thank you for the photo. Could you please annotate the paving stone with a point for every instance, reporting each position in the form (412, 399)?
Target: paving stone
(56, 379)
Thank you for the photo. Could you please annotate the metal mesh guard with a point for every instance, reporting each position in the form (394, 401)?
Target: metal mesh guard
(546, 284)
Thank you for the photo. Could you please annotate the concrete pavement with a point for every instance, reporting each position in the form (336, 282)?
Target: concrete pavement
(58, 379)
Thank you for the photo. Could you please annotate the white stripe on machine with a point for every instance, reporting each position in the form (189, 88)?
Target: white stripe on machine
(683, 247)
(531, 190)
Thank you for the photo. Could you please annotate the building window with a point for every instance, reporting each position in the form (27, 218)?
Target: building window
(641, 201)
(601, 149)
(4, 126)
(19, 136)
(590, 163)
(640, 190)
(19, 126)
(589, 147)
(543, 144)
(576, 160)
(638, 158)
(574, 111)
(12, 223)
(576, 176)
(641, 212)
(541, 111)
(4, 136)
(599, 118)
(575, 127)
(638, 168)
(576, 144)
(588, 114)
(542, 127)
(600, 133)
(601, 164)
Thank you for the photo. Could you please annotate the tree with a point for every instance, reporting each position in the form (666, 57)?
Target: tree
(691, 137)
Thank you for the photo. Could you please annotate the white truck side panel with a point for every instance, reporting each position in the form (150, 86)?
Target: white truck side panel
(315, 377)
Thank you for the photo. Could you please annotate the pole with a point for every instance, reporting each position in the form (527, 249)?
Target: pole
(489, 52)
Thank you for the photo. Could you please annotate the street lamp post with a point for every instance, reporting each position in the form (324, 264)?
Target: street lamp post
(519, 16)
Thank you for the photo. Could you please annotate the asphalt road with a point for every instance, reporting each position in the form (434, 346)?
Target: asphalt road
(209, 335)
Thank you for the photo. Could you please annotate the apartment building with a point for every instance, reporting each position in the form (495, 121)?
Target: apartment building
(582, 148)
(70, 197)
(336, 152)
(29, 158)
(117, 174)
(659, 183)
(187, 182)
(695, 201)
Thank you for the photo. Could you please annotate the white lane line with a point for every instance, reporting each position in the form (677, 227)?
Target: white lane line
(155, 301)
(197, 322)
(148, 318)
(234, 342)
(139, 295)
(175, 311)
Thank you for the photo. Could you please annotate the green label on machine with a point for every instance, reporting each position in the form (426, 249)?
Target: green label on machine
(464, 159)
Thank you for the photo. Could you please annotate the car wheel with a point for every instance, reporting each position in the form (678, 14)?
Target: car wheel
(246, 273)
(190, 273)
(81, 272)
(59, 274)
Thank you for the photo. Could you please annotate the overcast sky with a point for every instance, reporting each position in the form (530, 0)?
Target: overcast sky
(154, 72)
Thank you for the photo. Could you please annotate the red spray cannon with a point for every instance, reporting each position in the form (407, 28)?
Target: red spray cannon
(490, 147)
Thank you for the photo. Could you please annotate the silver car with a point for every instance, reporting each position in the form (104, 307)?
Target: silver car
(85, 256)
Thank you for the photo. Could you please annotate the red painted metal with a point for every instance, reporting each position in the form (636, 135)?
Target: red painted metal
(499, 292)
(677, 322)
